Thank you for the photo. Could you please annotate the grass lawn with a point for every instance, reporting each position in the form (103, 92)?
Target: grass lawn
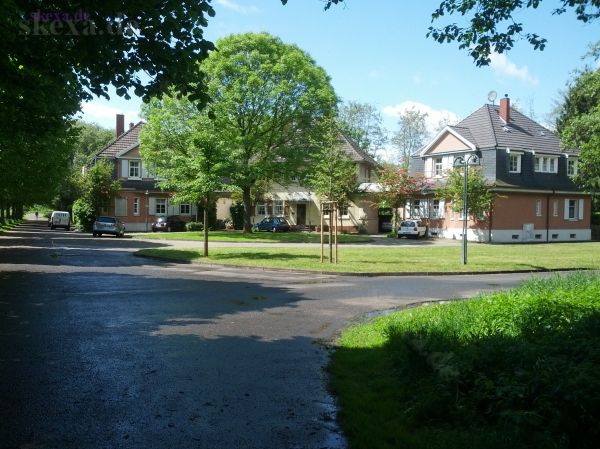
(257, 237)
(482, 257)
(516, 369)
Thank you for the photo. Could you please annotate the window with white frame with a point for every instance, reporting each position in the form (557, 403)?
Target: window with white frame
(343, 211)
(161, 206)
(546, 164)
(538, 208)
(514, 163)
(185, 209)
(136, 206)
(435, 209)
(438, 166)
(261, 209)
(573, 209)
(416, 209)
(134, 169)
(572, 167)
(278, 207)
(555, 208)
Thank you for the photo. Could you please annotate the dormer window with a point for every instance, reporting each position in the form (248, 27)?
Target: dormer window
(546, 164)
(134, 169)
(572, 167)
(514, 163)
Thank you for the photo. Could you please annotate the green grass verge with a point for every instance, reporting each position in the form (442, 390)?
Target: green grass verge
(516, 369)
(255, 237)
(9, 224)
(441, 259)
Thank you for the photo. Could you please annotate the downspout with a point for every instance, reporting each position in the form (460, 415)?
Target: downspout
(548, 216)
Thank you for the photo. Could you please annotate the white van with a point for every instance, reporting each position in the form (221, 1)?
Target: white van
(60, 219)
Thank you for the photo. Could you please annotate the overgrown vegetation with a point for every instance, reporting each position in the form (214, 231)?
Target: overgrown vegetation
(515, 369)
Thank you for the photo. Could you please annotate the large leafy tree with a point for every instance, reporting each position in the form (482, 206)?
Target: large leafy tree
(410, 135)
(398, 186)
(578, 124)
(268, 102)
(180, 142)
(362, 123)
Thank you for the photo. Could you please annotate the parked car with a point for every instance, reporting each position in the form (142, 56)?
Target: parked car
(108, 225)
(412, 228)
(168, 224)
(273, 224)
(60, 219)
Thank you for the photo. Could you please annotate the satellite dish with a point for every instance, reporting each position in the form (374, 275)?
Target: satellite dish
(492, 95)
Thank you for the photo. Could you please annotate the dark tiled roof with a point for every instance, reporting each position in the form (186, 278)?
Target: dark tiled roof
(126, 141)
(355, 153)
(488, 130)
(152, 186)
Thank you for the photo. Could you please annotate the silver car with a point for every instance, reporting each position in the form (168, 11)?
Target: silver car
(412, 228)
(108, 225)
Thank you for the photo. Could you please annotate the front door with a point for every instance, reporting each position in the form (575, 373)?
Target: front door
(301, 214)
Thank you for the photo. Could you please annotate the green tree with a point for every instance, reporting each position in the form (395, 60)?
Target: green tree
(479, 196)
(268, 100)
(98, 188)
(397, 187)
(181, 144)
(411, 134)
(578, 124)
(363, 123)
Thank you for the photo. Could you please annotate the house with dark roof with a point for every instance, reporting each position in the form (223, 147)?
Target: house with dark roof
(529, 174)
(140, 200)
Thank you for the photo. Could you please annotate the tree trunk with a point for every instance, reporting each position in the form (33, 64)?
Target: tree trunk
(205, 215)
(247, 199)
(1, 210)
(19, 211)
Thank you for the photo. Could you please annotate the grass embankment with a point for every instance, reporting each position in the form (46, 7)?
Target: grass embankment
(439, 259)
(516, 369)
(9, 224)
(254, 237)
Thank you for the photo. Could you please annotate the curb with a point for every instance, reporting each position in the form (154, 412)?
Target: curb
(363, 274)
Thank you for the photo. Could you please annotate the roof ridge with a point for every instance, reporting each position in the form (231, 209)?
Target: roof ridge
(116, 139)
(359, 150)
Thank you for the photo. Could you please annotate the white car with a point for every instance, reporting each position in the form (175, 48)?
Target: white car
(60, 219)
(412, 228)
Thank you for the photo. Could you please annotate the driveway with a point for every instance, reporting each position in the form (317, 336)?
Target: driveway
(100, 349)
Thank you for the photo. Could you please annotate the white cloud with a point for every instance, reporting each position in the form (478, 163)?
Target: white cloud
(434, 116)
(236, 7)
(105, 115)
(502, 66)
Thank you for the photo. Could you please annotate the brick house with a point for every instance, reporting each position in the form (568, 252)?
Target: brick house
(530, 175)
(140, 201)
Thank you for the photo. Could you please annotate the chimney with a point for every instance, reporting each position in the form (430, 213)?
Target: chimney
(120, 129)
(131, 125)
(505, 108)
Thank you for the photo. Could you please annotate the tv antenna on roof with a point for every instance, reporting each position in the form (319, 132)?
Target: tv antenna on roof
(492, 95)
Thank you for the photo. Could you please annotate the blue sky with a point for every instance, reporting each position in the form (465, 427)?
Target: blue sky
(377, 52)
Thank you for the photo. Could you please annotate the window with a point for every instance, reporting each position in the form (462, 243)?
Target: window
(161, 206)
(416, 209)
(278, 207)
(555, 208)
(136, 206)
(435, 209)
(184, 209)
(343, 211)
(546, 164)
(134, 169)
(538, 208)
(261, 209)
(515, 163)
(437, 171)
(572, 167)
(573, 209)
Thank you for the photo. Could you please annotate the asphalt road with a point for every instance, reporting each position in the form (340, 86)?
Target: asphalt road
(101, 349)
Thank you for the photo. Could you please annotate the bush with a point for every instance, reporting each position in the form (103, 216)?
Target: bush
(83, 215)
(596, 218)
(193, 226)
(237, 215)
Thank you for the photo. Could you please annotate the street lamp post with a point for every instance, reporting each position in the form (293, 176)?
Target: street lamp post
(147, 207)
(464, 162)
